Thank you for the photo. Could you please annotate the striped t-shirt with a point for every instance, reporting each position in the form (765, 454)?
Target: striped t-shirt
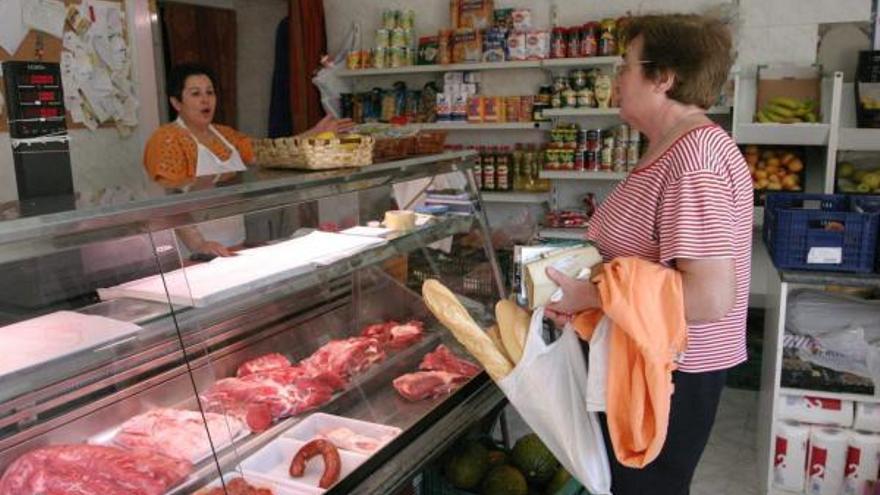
(693, 202)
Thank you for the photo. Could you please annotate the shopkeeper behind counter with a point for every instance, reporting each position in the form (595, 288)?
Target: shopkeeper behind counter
(191, 153)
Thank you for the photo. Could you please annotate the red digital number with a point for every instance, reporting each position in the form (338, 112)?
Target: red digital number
(42, 79)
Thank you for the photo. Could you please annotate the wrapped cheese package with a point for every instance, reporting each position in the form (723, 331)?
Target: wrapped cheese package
(570, 262)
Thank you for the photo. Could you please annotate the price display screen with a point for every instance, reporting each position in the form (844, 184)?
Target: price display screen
(41, 79)
(41, 112)
(34, 96)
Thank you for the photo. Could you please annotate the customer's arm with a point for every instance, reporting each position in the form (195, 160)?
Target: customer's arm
(709, 287)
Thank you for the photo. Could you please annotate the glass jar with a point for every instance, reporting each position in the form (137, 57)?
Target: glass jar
(608, 39)
(557, 43)
(578, 79)
(590, 39)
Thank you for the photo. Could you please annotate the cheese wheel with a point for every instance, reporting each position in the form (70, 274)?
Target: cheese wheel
(446, 307)
(400, 220)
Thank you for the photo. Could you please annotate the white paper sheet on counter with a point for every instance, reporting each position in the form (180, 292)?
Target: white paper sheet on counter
(42, 339)
(208, 283)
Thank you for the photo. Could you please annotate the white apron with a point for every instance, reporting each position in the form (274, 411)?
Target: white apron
(227, 231)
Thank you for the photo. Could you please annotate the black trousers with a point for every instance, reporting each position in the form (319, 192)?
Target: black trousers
(692, 414)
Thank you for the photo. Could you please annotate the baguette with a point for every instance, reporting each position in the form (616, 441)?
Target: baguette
(513, 323)
(495, 334)
(446, 307)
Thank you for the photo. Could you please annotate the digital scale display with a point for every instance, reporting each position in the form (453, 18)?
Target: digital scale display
(37, 96)
(41, 79)
(41, 112)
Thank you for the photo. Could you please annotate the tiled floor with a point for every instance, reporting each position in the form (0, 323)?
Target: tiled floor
(728, 466)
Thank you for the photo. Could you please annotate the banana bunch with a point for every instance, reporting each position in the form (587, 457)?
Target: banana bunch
(785, 110)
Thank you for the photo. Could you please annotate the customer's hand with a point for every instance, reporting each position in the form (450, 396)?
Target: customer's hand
(577, 296)
(329, 124)
(214, 248)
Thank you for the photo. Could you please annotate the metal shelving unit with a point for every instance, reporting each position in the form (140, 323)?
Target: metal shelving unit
(515, 197)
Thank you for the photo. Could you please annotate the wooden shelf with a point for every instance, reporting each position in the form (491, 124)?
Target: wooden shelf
(485, 126)
(577, 234)
(582, 112)
(855, 139)
(426, 69)
(580, 62)
(580, 175)
(830, 395)
(515, 197)
(782, 134)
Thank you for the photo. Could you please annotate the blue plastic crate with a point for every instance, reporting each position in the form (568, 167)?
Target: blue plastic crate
(792, 232)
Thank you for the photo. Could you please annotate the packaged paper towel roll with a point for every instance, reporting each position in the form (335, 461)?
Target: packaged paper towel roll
(862, 462)
(827, 460)
(867, 417)
(816, 410)
(790, 456)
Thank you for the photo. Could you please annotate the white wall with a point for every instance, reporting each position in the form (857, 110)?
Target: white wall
(103, 159)
(257, 22)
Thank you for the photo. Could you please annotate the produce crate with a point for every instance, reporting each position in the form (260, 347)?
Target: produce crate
(867, 89)
(841, 235)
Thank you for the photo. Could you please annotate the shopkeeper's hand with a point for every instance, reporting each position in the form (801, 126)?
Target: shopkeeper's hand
(577, 297)
(214, 248)
(329, 124)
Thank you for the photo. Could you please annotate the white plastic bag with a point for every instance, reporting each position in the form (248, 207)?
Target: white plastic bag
(548, 389)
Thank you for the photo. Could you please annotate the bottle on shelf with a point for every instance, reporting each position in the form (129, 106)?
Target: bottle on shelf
(503, 180)
(478, 166)
(489, 168)
(517, 168)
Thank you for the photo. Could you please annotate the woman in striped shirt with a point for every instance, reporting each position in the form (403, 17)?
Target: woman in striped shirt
(688, 206)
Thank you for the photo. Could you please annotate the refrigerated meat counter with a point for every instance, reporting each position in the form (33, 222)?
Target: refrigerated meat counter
(176, 382)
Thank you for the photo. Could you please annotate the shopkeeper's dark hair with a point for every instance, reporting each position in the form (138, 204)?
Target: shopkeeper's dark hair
(697, 49)
(179, 74)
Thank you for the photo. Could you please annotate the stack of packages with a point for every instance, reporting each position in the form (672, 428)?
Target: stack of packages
(481, 34)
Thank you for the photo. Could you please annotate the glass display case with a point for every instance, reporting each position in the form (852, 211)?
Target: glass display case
(130, 365)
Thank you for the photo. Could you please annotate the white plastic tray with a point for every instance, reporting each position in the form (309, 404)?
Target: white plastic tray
(258, 482)
(272, 462)
(313, 425)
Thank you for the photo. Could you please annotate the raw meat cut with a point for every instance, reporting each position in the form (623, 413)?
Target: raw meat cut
(393, 335)
(346, 439)
(288, 375)
(268, 362)
(177, 433)
(344, 358)
(91, 470)
(442, 359)
(238, 397)
(238, 486)
(426, 384)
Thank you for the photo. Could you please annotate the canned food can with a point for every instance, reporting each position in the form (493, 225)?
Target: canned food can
(409, 38)
(608, 142)
(398, 38)
(398, 57)
(606, 159)
(383, 38)
(582, 138)
(580, 160)
(410, 56)
(594, 137)
(621, 133)
(380, 58)
(408, 19)
(551, 160)
(591, 161)
(632, 155)
(389, 18)
(618, 159)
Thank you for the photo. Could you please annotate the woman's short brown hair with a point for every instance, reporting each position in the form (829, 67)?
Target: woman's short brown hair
(697, 49)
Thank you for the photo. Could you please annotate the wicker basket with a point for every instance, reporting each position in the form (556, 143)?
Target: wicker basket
(394, 148)
(278, 153)
(430, 142)
(352, 151)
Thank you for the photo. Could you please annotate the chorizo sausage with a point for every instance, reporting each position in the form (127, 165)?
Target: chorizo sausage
(332, 462)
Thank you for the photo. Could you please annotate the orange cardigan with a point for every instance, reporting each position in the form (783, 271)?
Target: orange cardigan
(645, 303)
(171, 153)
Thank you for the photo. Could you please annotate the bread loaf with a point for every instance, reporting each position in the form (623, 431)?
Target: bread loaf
(513, 323)
(495, 334)
(446, 307)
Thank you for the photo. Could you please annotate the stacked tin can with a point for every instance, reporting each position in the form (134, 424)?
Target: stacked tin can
(395, 42)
